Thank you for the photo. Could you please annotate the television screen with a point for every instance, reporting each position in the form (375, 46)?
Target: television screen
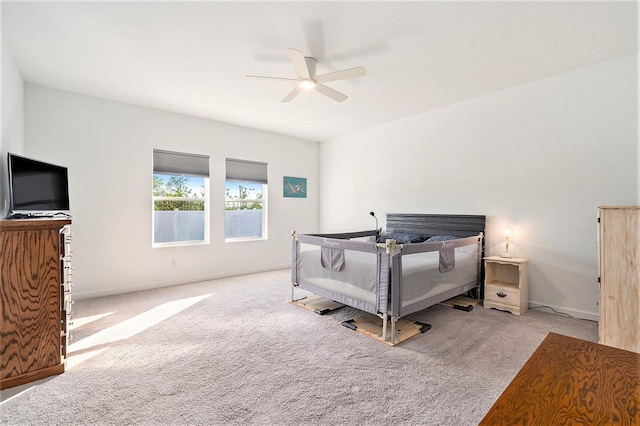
(36, 188)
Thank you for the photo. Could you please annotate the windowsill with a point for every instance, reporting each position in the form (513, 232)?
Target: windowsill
(239, 240)
(179, 244)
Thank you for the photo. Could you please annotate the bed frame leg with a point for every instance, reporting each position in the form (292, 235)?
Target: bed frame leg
(393, 329)
(385, 323)
(384, 326)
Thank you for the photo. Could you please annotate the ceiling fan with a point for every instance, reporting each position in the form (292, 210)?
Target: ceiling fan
(308, 80)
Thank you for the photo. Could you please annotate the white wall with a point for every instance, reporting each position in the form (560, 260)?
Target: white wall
(12, 112)
(108, 149)
(539, 157)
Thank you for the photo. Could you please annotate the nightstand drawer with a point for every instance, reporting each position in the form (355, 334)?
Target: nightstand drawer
(502, 293)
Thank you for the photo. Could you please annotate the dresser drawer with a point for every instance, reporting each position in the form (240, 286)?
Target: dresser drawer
(502, 293)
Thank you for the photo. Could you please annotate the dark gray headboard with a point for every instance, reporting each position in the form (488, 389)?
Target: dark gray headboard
(436, 224)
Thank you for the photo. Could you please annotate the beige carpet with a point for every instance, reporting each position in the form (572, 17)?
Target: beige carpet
(233, 351)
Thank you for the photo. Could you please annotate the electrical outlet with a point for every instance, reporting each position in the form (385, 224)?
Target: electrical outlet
(173, 262)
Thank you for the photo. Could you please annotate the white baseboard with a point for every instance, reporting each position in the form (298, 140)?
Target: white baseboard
(562, 310)
(152, 285)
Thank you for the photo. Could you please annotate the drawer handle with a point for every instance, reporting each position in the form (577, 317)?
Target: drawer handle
(501, 294)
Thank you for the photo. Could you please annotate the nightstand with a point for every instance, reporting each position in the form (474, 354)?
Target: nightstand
(506, 284)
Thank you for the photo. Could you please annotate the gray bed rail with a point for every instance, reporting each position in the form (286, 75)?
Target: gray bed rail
(389, 304)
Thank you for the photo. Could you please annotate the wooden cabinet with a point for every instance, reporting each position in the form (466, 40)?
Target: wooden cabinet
(33, 296)
(506, 284)
(619, 261)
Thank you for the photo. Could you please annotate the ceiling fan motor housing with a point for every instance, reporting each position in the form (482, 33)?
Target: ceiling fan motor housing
(311, 66)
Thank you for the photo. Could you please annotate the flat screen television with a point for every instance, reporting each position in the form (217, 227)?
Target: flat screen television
(36, 188)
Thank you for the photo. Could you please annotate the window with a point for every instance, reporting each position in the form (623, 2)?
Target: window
(245, 200)
(180, 198)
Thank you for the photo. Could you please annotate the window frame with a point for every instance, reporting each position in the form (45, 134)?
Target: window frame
(262, 201)
(250, 172)
(206, 199)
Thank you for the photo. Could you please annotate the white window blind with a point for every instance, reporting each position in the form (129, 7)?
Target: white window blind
(178, 163)
(246, 171)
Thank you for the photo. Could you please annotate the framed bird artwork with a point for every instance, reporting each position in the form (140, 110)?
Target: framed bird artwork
(295, 187)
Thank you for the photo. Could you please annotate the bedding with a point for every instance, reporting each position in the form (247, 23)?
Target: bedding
(441, 238)
(391, 279)
(402, 237)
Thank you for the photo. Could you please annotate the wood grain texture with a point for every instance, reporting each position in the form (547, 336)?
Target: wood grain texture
(620, 277)
(572, 381)
(32, 224)
(29, 300)
(506, 285)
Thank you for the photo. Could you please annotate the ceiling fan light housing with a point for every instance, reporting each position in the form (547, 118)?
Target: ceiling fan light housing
(307, 84)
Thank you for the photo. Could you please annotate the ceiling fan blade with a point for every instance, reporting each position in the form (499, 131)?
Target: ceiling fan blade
(297, 58)
(341, 75)
(292, 94)
(333, 94)
(262, 77)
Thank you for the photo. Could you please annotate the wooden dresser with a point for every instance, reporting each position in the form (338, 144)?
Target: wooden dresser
(33, 299)
(619, 261)
(569, 381)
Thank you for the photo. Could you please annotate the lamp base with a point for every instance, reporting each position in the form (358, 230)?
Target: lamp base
(507, 255)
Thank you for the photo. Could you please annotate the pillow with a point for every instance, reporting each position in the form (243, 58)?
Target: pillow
(441, 238)
(402, 237)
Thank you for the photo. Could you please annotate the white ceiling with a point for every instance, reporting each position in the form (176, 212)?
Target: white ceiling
(192, 57)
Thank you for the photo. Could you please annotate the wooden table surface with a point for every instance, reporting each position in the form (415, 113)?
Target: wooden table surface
(572, 381)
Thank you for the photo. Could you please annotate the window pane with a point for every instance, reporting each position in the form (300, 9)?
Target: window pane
(178, 186)
(244, 210)
(180, 208)
(238, 191)
(179, 225)
(243, 223)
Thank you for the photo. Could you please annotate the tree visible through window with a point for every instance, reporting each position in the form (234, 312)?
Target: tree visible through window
(240, 196)
(245, 200)
(180, 200)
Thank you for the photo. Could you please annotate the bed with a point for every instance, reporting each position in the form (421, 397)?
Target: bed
(421, 260)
